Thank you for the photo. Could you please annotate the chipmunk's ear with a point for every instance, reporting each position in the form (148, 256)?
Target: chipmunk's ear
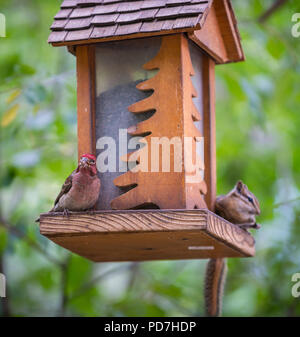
(239, 186)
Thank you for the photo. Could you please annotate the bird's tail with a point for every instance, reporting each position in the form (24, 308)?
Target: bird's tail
(215, 277)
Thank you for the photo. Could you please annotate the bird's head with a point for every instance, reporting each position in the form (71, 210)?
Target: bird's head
(88, 161)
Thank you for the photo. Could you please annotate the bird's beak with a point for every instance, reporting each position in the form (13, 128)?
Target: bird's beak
(84, 162)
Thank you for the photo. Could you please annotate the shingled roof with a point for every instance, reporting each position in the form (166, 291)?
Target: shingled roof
(80, 20)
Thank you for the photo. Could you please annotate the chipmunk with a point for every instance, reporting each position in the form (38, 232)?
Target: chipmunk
(240, 207)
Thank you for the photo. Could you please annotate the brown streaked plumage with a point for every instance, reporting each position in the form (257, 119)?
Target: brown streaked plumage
(81, 189)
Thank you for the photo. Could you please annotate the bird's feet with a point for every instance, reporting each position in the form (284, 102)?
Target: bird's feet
(66, 213)
(91, 211)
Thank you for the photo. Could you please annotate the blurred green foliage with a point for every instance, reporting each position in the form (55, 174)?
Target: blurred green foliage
(258, 141)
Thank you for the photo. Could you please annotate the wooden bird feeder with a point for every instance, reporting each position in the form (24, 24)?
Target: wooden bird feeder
(146, 108)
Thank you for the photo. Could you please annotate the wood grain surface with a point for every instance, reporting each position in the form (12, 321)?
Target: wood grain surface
(147, 235)
(209, 121)
(219, 36)
(85, 57)
(210, 38)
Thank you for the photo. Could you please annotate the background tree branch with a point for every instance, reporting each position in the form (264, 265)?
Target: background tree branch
(271, 10)
(13, 230)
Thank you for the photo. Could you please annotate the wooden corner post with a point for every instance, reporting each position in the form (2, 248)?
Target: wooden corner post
(85, 57)
(209, 122)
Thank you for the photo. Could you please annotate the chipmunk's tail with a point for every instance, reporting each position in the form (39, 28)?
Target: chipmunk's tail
(215, 277)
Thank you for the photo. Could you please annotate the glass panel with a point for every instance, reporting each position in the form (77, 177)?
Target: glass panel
(196, 57)
(119, 68)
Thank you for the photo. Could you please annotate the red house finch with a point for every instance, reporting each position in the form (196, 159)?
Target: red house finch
(81, 189)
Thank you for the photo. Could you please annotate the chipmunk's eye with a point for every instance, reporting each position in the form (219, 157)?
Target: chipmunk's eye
(250, 199)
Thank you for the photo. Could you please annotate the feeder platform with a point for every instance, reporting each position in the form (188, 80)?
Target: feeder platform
(143, 235)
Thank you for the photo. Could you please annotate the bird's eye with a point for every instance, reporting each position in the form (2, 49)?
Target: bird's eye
(92, 161)
(250, 199)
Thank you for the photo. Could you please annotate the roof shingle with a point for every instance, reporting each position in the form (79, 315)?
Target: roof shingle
(95, 19)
